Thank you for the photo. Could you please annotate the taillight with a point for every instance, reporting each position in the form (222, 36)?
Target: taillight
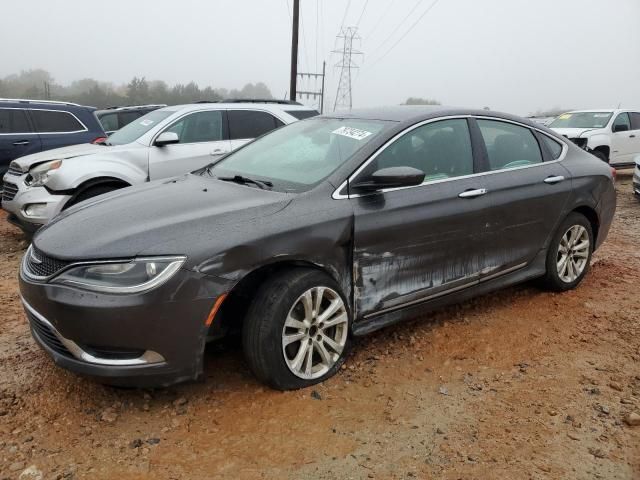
(614, 173)
(99, 140)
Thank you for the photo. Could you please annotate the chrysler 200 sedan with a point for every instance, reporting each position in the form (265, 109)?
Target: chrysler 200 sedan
(320, 231)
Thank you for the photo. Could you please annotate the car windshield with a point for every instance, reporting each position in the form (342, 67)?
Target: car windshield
(299, 156)
(582, 120)
(134, 130)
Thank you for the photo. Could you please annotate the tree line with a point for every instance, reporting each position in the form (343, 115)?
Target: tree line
(39, 84)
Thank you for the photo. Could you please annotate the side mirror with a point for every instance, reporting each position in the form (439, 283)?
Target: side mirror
(621, 127)
(166, 138)
(392, 177)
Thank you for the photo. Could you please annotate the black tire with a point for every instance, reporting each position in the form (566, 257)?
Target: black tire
(553, 279)
(92, 192)
(264, 327)
(601, 155)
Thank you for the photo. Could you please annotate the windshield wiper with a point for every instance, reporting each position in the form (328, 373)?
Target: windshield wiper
(244, 180)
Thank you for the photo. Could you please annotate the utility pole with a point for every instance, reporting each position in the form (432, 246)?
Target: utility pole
(314, 93)
(344, 95)
(294, 50)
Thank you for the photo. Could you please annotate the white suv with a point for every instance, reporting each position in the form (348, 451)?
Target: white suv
(163, 143)
(611, 135)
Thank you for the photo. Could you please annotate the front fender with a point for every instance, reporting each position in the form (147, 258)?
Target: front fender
(75, 172)
(599, 140)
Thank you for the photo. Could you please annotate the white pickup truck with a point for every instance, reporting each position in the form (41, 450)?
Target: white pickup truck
(611, 135)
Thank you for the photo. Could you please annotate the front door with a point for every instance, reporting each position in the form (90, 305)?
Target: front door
(17, 138)
(623, 140)
(416, 243)
(203, 139)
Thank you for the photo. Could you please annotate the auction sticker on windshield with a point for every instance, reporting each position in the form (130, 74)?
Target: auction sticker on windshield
(146, 122)
(351, 132)
(566, 116)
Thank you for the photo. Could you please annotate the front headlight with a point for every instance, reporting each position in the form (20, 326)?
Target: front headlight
(135, 276)
(39, 175)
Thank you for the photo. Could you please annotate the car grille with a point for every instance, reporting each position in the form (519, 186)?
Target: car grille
(14, 170)
(46, 335)
(9, 191)
(38, 264)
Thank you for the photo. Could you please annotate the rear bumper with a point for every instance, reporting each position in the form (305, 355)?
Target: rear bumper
(153, 339)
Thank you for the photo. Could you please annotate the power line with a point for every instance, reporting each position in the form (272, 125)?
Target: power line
(399, 25)
(362, 14)
(382, 17)
(407, 32)
(344, 17)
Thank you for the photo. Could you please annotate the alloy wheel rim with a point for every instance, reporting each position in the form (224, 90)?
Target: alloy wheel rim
(315, 333)
(573, 253)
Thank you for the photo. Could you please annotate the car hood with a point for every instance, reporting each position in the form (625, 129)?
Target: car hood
(158, 218)
(573, 132)
(28, 161)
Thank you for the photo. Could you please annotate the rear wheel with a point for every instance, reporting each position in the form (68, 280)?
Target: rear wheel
(569, 253)
(296, 333)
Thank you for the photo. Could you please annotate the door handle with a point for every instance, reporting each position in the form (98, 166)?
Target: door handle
(22, 142)
(478, 192)
(554, 180)
(632, 136)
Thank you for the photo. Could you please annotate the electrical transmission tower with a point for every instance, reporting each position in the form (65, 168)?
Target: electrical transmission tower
(348, 36)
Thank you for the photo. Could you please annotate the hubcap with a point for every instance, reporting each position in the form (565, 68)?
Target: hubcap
(315, 332)
(573, 253)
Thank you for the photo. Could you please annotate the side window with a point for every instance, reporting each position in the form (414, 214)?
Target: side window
(50, 121)
(635, 121)
(109, 122)
(199, 127)
(509, 145)
(14, 121)
(245, 124)
(554, 147)
(622, 123)
(439, 149)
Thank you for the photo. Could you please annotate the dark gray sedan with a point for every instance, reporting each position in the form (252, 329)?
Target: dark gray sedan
(323, 230)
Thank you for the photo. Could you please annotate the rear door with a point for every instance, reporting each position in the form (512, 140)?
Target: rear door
(203, 138)
(416, 243)
(623, 141)
(527, 187)
(634, 134)
(17, 137)
(245, 125)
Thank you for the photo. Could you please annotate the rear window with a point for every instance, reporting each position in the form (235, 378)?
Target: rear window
(245, 124)
(54, 121)
(109, 121)
(13, 121)
(509, 145)
(302, 114)
(635, 120)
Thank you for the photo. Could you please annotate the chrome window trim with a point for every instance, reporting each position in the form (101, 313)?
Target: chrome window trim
(149, 357)
(340, 196)
(35, 132)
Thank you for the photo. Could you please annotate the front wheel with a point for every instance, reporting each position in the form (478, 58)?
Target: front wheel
(569, 254)
(296, 332)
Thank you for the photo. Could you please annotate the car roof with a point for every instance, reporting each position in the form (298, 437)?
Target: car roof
(23, 102)
(416, 113)
(231, 106)
(131, 107)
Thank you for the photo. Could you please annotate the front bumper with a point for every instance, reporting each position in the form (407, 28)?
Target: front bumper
(17, 196)
(153, 339)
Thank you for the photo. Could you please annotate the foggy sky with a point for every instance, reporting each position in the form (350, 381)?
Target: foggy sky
(511, 55)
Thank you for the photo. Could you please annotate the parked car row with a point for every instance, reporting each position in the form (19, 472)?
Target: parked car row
(163, 143)
(319, 231)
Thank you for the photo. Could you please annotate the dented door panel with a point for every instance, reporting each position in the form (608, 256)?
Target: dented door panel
(412, 243)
